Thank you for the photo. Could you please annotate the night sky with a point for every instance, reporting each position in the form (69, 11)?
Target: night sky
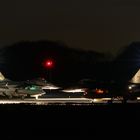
(101, 25)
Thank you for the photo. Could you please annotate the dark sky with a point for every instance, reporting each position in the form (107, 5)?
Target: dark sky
(101, 25)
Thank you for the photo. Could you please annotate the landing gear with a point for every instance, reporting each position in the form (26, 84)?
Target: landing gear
(22, 97)
(125, 98)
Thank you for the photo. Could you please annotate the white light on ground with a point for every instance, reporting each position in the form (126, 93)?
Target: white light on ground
(50, 87)
(101, 99)
(9, 102)
(46, 101)
(73, 90)
(130, 87)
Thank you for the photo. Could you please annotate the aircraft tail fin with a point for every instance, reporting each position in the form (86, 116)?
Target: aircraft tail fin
(136, 78)
(1, 77)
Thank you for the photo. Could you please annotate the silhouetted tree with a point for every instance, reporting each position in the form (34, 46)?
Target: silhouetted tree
(24, 60)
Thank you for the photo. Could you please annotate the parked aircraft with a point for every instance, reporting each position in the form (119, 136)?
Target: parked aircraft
(44, 84)
(11, 89)
(133, 87)
(123, 90)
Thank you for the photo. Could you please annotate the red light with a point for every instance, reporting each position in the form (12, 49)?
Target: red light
(99, 91)
(48, 64)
